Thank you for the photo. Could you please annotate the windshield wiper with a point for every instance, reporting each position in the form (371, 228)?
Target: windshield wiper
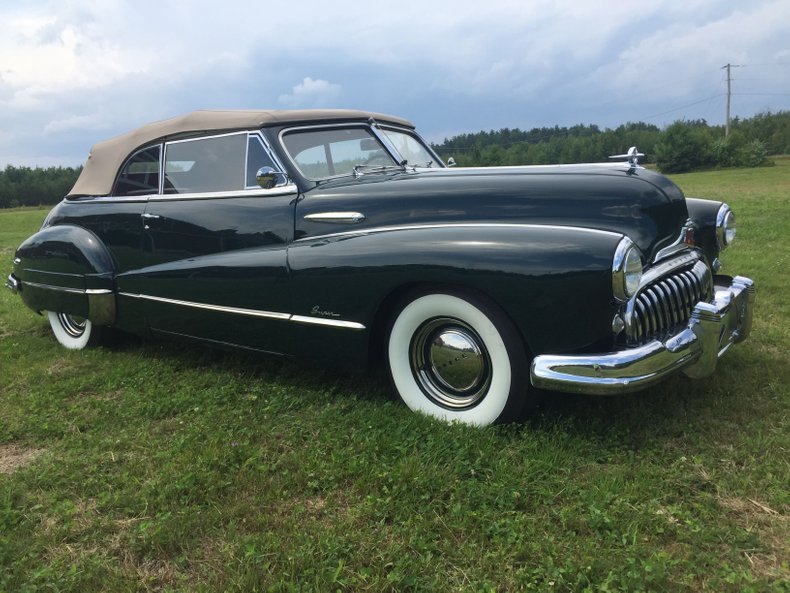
(360, 170)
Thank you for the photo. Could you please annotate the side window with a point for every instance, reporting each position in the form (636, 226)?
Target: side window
(205, 164)
(257, 157)
(140, 175)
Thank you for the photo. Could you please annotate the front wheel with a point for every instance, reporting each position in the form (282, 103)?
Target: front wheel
(458, 358)
(75, 333)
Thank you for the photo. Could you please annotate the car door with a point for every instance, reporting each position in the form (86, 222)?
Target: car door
(216, 245)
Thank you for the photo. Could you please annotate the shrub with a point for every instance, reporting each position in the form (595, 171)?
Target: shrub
(684, 146)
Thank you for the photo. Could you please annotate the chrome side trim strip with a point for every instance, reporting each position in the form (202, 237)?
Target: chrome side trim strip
(327, 322)
(346, 217)
(282, 190)
(461, 225)
(89, 291)
(108, 199)
(220, 308)
(251, 312)
(219, 195)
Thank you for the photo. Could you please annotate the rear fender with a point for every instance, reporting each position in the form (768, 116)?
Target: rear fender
(67, 269)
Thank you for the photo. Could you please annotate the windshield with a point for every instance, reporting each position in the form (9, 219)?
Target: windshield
(332, 152)
(410, 148)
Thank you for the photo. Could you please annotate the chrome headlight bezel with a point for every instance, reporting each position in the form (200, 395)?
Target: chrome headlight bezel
(725, 227)
(627, 270)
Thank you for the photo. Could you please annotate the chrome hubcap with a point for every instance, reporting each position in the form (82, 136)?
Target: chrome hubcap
(74, 326)
(450, 363)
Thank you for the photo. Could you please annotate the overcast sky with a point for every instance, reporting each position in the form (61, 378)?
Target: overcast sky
(73, 72)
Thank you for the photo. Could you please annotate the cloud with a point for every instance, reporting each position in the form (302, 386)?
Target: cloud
(311, 93)
(75, 72)
(73, 123)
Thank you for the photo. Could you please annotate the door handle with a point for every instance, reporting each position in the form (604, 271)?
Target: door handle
(147, 216)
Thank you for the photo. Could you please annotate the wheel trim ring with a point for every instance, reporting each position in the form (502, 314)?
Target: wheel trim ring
(432, 381)
(74, 326)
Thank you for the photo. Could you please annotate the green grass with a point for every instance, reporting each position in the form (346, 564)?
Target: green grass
(160, 467)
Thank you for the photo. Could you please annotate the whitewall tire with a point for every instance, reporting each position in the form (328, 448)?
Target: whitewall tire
(74, 333)
(457, 358)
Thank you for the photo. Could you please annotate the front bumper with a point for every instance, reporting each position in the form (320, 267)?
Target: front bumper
(712, 329)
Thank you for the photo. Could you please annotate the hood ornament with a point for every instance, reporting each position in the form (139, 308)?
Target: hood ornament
(631, 157)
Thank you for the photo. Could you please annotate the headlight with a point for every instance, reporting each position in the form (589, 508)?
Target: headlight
(725, 226)
(626, 270)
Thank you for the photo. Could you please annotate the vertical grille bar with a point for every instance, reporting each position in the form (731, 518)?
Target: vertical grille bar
(664, 307)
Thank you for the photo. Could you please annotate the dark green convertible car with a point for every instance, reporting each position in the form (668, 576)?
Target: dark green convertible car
(341, 236)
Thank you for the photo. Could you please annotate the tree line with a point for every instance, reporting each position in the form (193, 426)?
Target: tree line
(26, 186)
(682, 146)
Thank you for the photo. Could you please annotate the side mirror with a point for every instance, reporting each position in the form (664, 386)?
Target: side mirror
(268, 178)
(451, 162)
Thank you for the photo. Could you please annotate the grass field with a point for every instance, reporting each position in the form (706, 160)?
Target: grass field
(159, 467)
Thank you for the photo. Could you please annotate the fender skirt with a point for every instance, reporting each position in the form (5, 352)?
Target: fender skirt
(69, 270)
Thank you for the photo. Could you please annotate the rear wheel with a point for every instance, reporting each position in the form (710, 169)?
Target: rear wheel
(458, 358)
(73, 332)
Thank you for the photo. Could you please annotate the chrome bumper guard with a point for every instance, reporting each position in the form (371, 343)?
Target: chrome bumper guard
(12, 284)
(712, 329)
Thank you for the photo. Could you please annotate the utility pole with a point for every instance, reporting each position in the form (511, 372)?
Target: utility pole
(729, 92)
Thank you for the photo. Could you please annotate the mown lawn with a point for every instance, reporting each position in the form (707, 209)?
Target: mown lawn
(150, 466)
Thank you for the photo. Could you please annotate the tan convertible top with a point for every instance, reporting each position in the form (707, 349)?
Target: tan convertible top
(105, 158)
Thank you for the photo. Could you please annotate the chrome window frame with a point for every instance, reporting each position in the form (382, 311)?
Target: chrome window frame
(245, 191)
(169, 143)
(141, 197)
(268, 150)
(413, 133)
(385, 145)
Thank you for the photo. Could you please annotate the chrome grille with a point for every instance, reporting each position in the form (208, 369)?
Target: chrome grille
(663, 306)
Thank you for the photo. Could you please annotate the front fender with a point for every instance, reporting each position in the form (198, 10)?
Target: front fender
(67, 269)
(703, 215)
(553, 282)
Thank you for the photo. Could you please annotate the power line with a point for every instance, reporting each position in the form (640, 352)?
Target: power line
(761, 94)
(684, 106)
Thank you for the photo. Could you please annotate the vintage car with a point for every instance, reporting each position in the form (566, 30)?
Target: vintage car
(342, 237)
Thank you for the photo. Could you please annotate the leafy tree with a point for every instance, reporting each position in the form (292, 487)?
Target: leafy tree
(23, 186)
(684, 146)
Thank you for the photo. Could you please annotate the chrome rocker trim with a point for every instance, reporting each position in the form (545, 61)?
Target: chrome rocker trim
(712, 329)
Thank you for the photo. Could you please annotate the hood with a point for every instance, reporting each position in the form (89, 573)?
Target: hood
(639, 203)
